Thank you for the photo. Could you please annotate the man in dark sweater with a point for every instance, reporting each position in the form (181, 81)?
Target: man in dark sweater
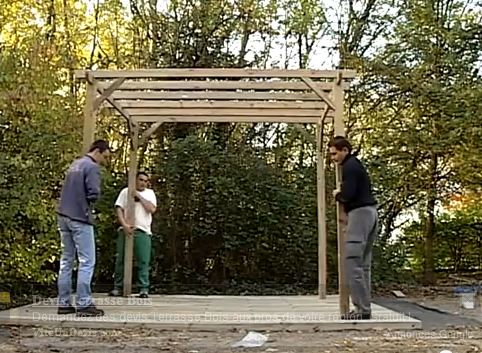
(359, 203)
(80, 191)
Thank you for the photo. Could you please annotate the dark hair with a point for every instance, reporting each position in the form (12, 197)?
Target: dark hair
(142, 173)
(101, 145)
(339, 142)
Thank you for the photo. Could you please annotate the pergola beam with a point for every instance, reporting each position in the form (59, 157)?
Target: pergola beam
(236, 73)
(248, 106)
(214, 95)
(227, 119)
(222, 112)
(146, 134)
(220, 85)
(112, 102)
(319, 92)
(107, 92)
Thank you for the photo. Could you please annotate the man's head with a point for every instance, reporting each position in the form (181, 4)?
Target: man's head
(142, 180)
(100, 151)
(339, 149)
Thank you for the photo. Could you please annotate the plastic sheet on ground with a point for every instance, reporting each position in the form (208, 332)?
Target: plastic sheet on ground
(252, 339)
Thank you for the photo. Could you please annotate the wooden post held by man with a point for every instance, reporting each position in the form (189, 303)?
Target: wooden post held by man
(130, 216)
(339, 129)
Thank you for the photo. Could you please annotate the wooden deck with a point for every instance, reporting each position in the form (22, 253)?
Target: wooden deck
(195, 312)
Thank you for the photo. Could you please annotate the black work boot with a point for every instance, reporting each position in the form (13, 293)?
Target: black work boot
(65, 310)
(353, 315)
(90, 311)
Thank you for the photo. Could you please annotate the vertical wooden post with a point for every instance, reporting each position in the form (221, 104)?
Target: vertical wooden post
(321, 201)
(339, 128)
(130, 216)
(89, 115)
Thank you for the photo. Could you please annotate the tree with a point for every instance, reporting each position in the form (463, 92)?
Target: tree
(427, 94)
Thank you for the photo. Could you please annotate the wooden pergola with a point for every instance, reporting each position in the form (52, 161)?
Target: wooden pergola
(154, 96)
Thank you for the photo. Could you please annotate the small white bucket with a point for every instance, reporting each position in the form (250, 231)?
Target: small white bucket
(467, 300)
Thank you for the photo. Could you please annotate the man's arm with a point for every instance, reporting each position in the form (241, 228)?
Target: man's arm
(120, 216)
(122, 220)
(148, 205)
(348, 186)
(92, 184)
(120, 206)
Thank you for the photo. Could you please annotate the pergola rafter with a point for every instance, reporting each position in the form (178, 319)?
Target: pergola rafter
(157, 96)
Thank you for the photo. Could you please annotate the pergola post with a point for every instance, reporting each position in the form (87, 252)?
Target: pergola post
(89, 115)
(130, 216)
(321, 201)
(339, 130)
(136, 142)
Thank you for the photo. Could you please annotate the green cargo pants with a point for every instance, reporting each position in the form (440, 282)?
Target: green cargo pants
(142, 253)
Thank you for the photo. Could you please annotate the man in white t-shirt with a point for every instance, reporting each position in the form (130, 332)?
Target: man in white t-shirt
(145, 206)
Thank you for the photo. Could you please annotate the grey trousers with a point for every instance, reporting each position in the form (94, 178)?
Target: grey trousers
(362, 229)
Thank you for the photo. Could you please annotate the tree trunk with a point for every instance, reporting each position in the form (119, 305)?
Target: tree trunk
(244, 42)
(429, 269)
(389, 223)
(51, 22)
(300, 51)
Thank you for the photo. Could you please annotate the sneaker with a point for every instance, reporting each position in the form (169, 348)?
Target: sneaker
(65, 310)
(352, 315)
(115, 293)
(90, 311)
(143, 295)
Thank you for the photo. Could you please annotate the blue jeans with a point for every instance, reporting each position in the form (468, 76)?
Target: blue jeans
(76, 237)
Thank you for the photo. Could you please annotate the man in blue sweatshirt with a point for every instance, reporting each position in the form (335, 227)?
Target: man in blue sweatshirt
(81, 189)
(356, 196)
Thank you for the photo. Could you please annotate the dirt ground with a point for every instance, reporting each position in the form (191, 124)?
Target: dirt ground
(71, 340)
(23, 340)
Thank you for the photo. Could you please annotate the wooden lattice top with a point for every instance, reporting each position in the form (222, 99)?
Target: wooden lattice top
(219, 95)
